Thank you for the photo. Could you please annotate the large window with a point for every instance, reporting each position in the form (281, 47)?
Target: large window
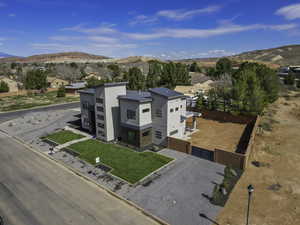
(146, 110)
(158, 134)
(131, 114)
(171, 110)
(85, 105)
(146, 133)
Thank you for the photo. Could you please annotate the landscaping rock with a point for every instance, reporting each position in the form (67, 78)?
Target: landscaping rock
(233, 172)
(275, 187)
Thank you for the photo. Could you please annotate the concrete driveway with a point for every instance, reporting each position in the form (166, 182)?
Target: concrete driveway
(177, 196)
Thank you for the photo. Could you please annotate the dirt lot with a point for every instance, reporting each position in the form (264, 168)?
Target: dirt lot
(277, 181)
(213, 134)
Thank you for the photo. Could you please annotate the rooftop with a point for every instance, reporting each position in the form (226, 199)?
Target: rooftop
(78, 85)
(167, 93)
(112, 84)
(139, 96)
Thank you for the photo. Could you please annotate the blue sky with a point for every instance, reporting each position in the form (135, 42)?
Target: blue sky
(162, 28)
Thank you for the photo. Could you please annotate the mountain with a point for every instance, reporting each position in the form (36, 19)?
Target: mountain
(274, 57)
(79, 57)
(4, 55)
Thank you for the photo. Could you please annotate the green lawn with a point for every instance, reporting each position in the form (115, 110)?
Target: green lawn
(29, 101)
(64, 136)
(126, 163)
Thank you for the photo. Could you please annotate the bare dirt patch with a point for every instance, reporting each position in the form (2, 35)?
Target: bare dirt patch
(276, 199)
(217, 135)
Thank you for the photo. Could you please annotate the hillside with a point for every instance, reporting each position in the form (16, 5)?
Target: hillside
(274, 57)
(4, 55)
(57, 58)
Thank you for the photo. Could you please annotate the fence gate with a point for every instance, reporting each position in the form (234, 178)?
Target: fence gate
(203, 153)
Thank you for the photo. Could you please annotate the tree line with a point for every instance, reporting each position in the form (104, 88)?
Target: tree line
(251, 88)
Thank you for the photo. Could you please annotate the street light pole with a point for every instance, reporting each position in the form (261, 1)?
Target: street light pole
(250, 191)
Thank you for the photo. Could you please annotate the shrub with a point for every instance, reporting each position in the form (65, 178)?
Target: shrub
(3, 87)
(61, 92)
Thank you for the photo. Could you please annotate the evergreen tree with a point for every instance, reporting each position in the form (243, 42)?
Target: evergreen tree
(136, 79)
(224, 66)
(36, 79)
(61, 92)
(290, 78)
(3, 87)
(154, 74)
(194, 67)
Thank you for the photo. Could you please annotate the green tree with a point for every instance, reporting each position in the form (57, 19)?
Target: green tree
(116, 71)
(92, 82)
(3, 87)
(224, 66)
(154, 74)
(74, 65)
(36, 79)
(61, 92)
(136, 79)
(194, 67)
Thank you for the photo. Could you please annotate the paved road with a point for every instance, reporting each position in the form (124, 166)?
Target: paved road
(13, 115)
(36, 191)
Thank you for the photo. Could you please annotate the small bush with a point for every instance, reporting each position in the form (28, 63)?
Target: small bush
(266, 126)
(3, 87)
(61, 92)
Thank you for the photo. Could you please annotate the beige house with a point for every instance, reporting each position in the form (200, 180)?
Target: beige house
(54, 82)
(12, 84)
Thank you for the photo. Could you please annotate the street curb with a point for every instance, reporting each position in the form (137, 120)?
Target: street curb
(39, 107)
(70, 169)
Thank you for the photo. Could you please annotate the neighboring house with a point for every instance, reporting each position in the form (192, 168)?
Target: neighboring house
(73, 88)
(13, 85)
(92, 75)
(54, 82)
(134, 117)
(284, 71)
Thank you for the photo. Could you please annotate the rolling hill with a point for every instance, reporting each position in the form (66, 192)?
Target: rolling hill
(4, 55)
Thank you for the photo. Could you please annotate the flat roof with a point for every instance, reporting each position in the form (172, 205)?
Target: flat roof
(167, 93)
(138, 96)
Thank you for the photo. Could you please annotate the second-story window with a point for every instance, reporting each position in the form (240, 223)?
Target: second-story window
(176, 109)
(131, 114)
(101, 125)
(146, 110)
(171, 110)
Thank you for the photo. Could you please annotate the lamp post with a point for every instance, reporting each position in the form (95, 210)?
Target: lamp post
(250, 191)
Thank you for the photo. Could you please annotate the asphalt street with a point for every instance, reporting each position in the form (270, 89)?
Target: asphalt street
(13, 115)
(37, 191)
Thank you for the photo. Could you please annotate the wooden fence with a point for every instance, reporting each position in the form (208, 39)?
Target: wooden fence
(179, 145)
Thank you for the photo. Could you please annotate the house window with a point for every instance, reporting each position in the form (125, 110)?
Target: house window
(181, 106)
(173, 132)
(171, 110)
(101, 125)
(100, 117)
(131, 114)
(158, 134)
(146, 110)
(146, 133)
(158, 113)
(99, 100)
(100, 109)
(176, 109)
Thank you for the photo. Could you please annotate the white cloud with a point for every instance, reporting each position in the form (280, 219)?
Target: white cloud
(185, 14)
(1, 43)
(205, 33)
(290, 12)
(12, 15)
(142, 19)
(102, 29)
(64, 38)
(2, 4)
(103, 39)
(178, 14)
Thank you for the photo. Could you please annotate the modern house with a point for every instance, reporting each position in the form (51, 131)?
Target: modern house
(134, 117)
